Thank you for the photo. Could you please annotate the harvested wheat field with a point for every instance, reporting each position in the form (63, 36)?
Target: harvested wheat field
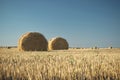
(72, 64)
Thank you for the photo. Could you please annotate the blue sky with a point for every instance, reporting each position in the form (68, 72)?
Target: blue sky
(84, 23)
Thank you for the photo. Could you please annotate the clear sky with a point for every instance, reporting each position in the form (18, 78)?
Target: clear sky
(84, 23)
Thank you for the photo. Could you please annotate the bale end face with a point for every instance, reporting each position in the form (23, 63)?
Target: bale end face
(58, 43)
(32, 41)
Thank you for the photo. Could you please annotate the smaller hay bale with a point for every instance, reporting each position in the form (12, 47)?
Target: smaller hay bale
(9, 47)
(58, 43)
(95, 47)
(32, 41)
(110, 47)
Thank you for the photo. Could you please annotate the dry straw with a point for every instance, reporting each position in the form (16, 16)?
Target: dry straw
(32, 41)
(57, 43)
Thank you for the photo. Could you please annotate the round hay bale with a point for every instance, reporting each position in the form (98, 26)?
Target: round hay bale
(95, 47)
(32, 41)
(58, 43)
(110, 47)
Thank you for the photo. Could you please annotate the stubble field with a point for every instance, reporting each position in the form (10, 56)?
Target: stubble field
(72, 64)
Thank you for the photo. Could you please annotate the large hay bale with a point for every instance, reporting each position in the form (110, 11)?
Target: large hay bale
(57, 43)
(32, 41)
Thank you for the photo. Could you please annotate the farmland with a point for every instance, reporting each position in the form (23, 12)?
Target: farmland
(72, 64)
